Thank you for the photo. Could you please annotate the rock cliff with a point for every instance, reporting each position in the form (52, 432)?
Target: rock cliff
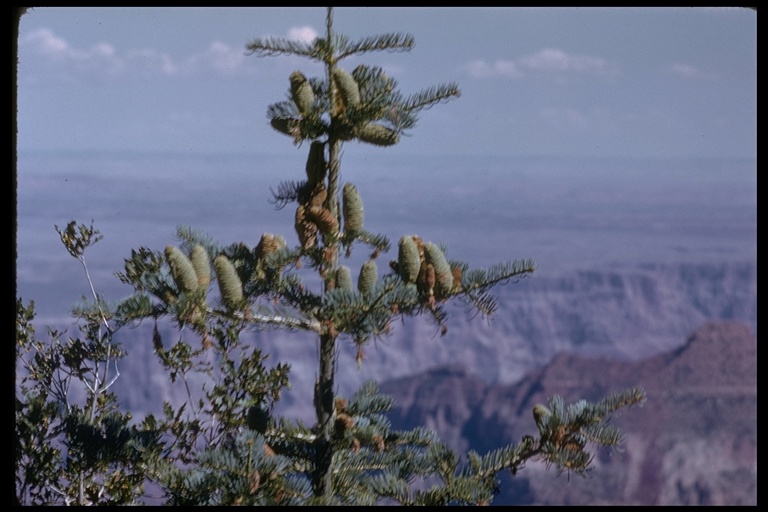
(694, 442)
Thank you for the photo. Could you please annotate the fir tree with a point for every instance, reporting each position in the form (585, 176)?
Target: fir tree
(228, 447)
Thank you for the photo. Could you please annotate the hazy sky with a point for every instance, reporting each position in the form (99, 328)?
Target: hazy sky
(535, 81)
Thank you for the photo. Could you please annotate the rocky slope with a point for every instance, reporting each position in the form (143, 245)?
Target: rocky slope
(693, 443)
(626, 313)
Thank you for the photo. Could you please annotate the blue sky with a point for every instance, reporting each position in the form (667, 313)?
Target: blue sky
(634, 82)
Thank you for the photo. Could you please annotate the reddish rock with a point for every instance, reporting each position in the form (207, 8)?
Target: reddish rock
(694, 442)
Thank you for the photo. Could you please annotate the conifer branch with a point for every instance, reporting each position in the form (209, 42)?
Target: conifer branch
(481, 279)
(288, 192)
(368, 400)
(283, 321)
(432, 96)
(484, 303)
(266, 318)
(272, 46)
(291, 431)
(394, 42)
(191, 236)
(379, 242)
(283, 110)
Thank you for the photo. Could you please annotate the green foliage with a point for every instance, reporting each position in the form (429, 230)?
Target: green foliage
(77, 238)
(69, 452)
(224, 445)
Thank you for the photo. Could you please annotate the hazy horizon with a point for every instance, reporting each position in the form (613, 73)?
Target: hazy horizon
(566, 214)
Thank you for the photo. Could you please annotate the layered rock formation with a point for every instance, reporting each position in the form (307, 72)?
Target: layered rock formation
(693, 443)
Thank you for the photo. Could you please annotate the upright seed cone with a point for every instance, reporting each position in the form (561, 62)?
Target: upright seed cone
(349, 91)
(353, 210)
(409, 262)
(230, 286)
(443, 273)
(301, 92)
(181, 269)
(368, 277)
(344, 278)
(316, 166)
(378, 135)
(201, 263)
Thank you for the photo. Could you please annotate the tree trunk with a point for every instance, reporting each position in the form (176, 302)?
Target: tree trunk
(322, 478)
